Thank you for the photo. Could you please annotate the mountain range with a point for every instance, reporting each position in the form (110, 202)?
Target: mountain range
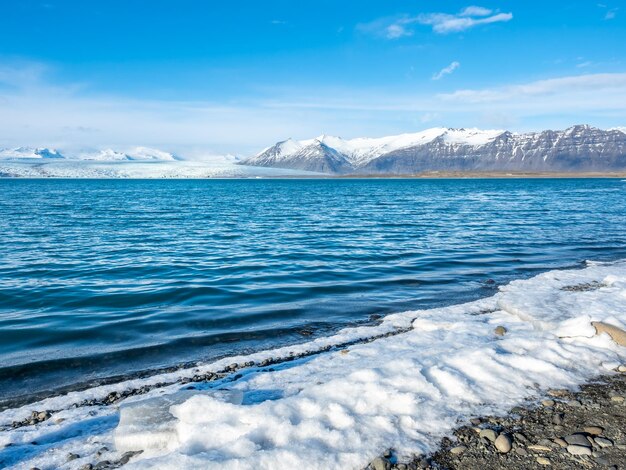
(42, 153)
(580, 148)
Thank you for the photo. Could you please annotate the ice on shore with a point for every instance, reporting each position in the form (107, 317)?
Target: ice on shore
(342, 408)
(149, 426)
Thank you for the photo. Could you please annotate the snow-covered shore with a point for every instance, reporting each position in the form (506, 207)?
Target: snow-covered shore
(347, 398)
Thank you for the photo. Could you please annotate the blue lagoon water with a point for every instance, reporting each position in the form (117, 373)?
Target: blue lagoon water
(105, 278)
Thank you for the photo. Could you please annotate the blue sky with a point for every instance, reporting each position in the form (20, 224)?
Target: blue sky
(219, 77)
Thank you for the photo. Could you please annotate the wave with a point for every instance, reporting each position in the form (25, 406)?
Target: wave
(341, 400)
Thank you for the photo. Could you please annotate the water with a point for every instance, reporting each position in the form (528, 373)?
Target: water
(104, 278)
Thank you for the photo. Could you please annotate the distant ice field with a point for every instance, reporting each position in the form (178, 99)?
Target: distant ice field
(106, 280)
(108, 167)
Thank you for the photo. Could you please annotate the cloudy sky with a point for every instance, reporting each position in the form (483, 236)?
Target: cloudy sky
(233, 77)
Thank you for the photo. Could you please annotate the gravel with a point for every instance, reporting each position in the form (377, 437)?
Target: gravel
(584, 429)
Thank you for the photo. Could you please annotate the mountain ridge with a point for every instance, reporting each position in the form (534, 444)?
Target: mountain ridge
(579, 148)
(104, 155)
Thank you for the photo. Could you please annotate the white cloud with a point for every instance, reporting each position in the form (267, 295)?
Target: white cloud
(446, 70)
(441, 23)
(396, 31)
(585, 64)
(39, 113)
(611, 12)
(475, 11)
(21, 74)
(590, 83)
(444, 23)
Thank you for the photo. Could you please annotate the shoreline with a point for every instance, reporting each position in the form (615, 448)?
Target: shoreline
(562, 430)
(421, 175)
(409, 384)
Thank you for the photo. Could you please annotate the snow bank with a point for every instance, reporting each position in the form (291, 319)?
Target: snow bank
(340, 409)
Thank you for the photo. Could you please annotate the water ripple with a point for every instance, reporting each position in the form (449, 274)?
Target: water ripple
(101, 278)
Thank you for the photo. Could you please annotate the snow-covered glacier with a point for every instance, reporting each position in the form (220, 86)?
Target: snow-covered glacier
(136, 162)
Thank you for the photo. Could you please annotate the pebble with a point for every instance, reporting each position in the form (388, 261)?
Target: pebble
(72, 456)
(622, 368)
(503, 444)
(603, 442)
(489, 434)
(593, 430)
(500, 330)
(458, 450)
(540, 448)
(476, 421)
(602, 461)
(574, 403)
(560, 442)
(548, 402)
(521, 451)
(520, 437)
(87, 466)
(381, 463)
(617, 399)
(577, 439)
(578, 450)
(617, 334)
(543, 461)
(557, 393)
(127, 456)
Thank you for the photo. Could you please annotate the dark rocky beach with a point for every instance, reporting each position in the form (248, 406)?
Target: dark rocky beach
(585, 429)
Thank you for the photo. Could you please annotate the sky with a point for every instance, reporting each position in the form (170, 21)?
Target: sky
(208, 77)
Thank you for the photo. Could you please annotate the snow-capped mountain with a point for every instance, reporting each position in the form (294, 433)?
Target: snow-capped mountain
(106, 155)
(134, 154)
(22, 153)
(578, 148)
